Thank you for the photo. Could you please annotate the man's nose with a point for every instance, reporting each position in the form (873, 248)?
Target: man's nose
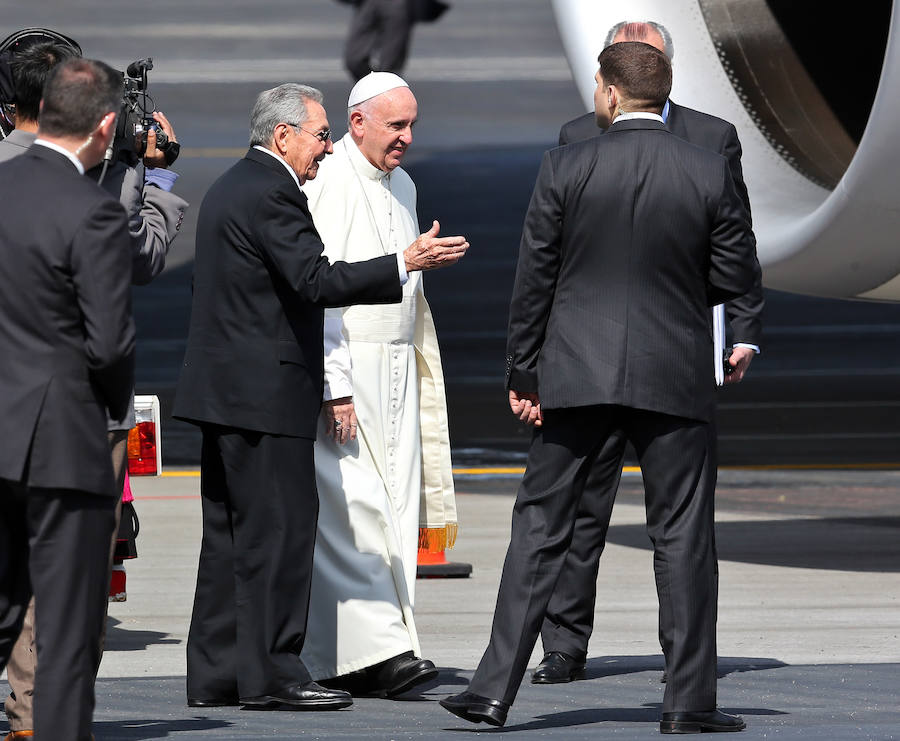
(329, 146)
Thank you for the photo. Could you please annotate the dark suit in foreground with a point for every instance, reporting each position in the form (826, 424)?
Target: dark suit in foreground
(253, 380)
(629, 239)
(67, 344)
(570, 613)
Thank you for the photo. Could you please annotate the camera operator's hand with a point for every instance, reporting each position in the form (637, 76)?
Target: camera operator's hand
(154, 157)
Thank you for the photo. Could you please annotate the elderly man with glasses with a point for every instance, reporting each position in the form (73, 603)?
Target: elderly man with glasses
(252, 381)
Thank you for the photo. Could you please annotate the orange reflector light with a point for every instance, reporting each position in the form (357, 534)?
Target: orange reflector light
(144, 444)
(142, 450)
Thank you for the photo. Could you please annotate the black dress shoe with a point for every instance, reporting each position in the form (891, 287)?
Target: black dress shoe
(712, 721)
(475, 708)
(307, 696)
(400, 674)
(557, 667)
(214, 702)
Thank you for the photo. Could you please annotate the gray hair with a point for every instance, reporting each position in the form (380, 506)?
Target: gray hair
(283, 104)
(658, 27)
(364, 107)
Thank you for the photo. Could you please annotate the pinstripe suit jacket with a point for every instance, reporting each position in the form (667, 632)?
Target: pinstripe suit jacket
(710, 132)
(628, 239)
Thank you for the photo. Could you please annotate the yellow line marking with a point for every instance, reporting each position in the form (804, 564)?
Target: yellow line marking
(213, 152)
(501, 470)
(816, 466)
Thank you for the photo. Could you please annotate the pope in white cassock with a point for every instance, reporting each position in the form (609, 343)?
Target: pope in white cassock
(383, 445)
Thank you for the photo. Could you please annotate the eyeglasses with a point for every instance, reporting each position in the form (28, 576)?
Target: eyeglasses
(323, 136)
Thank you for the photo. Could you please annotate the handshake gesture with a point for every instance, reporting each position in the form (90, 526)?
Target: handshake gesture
(430, 251)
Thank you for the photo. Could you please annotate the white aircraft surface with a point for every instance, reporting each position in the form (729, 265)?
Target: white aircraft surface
(826, 210)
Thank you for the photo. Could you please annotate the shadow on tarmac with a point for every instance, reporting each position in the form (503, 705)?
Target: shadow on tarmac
(599, 667)
(122, 639)
(865, 544)
(132, 730)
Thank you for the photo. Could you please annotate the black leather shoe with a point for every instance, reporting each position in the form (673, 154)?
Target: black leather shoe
(307, 696)
(401, 673)
(712, 721)
(476, 709)
(215, 702)
(664, 678)
(557, 667)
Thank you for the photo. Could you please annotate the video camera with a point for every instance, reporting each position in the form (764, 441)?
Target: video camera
(134, 120)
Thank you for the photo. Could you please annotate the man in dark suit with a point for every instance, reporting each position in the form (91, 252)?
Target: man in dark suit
(570, 613)
(380, 33)
(629, 238)
(252, 380)
(67, 343)
(154, 216)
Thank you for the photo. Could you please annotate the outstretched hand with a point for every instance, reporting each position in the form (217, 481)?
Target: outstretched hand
(430, 251)
(527, 407)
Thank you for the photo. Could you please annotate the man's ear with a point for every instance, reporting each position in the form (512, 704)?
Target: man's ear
(356, 122)
(278, 138)
(107, 127)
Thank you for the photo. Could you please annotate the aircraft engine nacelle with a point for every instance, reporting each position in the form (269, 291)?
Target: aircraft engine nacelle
(815, 96)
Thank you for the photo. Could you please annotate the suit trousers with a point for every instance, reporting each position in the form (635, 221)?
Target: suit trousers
(569, 621)
(64, 562)
(671, 451)
(379, 37)
(252, 598)
(22, 666)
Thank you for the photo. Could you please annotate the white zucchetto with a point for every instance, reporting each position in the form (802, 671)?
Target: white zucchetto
(374, 83)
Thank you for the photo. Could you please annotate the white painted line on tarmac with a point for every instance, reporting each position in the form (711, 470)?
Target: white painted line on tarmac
(431, 69)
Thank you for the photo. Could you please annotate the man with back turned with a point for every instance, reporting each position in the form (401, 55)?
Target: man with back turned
(569, 622)
(253, 381)
(609, 330)
(67, 344)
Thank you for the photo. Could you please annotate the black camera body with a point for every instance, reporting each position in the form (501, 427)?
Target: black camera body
(135, 119)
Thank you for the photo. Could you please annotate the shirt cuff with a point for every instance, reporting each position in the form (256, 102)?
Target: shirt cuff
(160, 177)
(401, 267)
(755, 348)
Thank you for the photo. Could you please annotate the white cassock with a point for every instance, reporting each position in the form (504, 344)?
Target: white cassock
(385, 357)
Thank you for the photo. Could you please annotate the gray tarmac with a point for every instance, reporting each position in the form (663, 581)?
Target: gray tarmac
(808, 635)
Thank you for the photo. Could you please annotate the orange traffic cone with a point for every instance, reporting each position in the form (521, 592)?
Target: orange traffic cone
(434, 565)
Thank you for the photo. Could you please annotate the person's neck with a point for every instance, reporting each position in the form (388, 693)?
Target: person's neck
(28, 126)
(358, 143)
(75, 145)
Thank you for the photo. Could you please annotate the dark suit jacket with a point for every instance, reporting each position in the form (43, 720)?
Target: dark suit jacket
(629, 238)
(66, 334)
(709, 132)
(254, 358)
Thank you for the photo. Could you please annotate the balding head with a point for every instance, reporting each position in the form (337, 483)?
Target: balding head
(648, 32)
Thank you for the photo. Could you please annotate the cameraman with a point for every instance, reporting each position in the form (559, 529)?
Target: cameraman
(154, 217)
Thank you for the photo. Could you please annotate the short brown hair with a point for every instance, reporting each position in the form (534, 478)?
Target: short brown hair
(642, 73)
(78, 93)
